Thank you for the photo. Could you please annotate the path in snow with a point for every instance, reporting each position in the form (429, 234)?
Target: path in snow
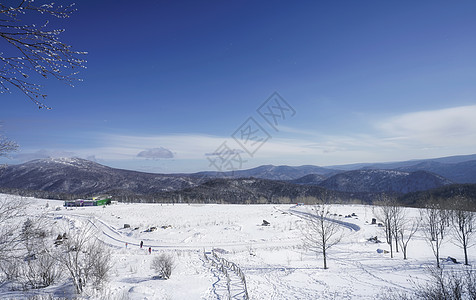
(307, 215)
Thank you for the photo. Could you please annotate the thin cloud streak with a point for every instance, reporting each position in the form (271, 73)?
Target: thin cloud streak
(442, 128)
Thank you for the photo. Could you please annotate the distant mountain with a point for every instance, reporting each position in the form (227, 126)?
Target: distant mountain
(273, 172)
(84, 177)
(75, 176)
(376, 181)
(311, 179)
(256, 190)
(404, 164)
(461, 172)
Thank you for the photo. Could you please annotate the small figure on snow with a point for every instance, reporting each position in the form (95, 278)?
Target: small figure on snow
(150, 250)
(141, 244)
(126, 244)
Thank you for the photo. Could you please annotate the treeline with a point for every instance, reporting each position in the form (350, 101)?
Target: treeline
(442, 195)
(41, 194)
(261, 191)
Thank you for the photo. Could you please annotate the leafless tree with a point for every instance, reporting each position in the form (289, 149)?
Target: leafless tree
(464, 227)
(406, 232)
(23, 258)
(98, 262)
(385, 214)
(440, 285)
(164, 265)
(321, 232)
(397, 219)
(11, 210)
(470, 284)
(34, 50)
(435, 224)
(38, 270)
(33, 233)
(84, 258)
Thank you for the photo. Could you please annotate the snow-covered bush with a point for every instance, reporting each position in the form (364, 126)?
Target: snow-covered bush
(441, 285)
(38, 271)
(164, 265)
(85, 258)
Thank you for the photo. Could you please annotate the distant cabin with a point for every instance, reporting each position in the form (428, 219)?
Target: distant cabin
(95, 201)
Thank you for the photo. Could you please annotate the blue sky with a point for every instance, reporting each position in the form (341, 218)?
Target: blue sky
(170, 85)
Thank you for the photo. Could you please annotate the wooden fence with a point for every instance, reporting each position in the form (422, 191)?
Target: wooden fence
(224, 266)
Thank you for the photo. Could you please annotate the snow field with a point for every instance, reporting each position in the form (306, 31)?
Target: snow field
(272, 257)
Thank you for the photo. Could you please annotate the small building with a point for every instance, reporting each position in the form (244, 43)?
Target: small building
(102, 200)
(95, 201)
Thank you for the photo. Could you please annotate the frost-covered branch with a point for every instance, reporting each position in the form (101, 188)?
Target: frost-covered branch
(35, 49)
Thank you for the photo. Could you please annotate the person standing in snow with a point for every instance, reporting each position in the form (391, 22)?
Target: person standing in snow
(150, 250)
(141, 244)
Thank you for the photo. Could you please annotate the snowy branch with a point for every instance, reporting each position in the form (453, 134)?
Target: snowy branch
(38, 50)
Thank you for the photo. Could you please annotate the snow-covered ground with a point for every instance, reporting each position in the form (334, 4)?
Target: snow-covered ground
(271, 257)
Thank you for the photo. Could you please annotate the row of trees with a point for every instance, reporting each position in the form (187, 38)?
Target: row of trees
(438, 221)
(29, 258)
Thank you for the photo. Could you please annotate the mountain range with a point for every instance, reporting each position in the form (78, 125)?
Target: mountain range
(81, 177)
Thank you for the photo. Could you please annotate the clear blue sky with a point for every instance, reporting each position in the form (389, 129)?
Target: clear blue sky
(167, 82)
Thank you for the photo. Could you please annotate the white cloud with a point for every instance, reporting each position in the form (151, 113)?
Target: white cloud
(438, 128)
(156, 153)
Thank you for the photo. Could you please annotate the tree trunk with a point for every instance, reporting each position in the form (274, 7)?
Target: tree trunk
(391, 246)
(465, 248)
(325, 258)
(437, 254)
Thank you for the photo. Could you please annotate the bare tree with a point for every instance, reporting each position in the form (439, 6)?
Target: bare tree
(23, 258)
(397, 219)
(321, 232)
(34, 49)
(38, 270)
(435, 223)
(164, 265)
(83, 257)
(385, 214)
(11, 210)
(440, 285)
(406, 232)
(98, 263)
(464, 226)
